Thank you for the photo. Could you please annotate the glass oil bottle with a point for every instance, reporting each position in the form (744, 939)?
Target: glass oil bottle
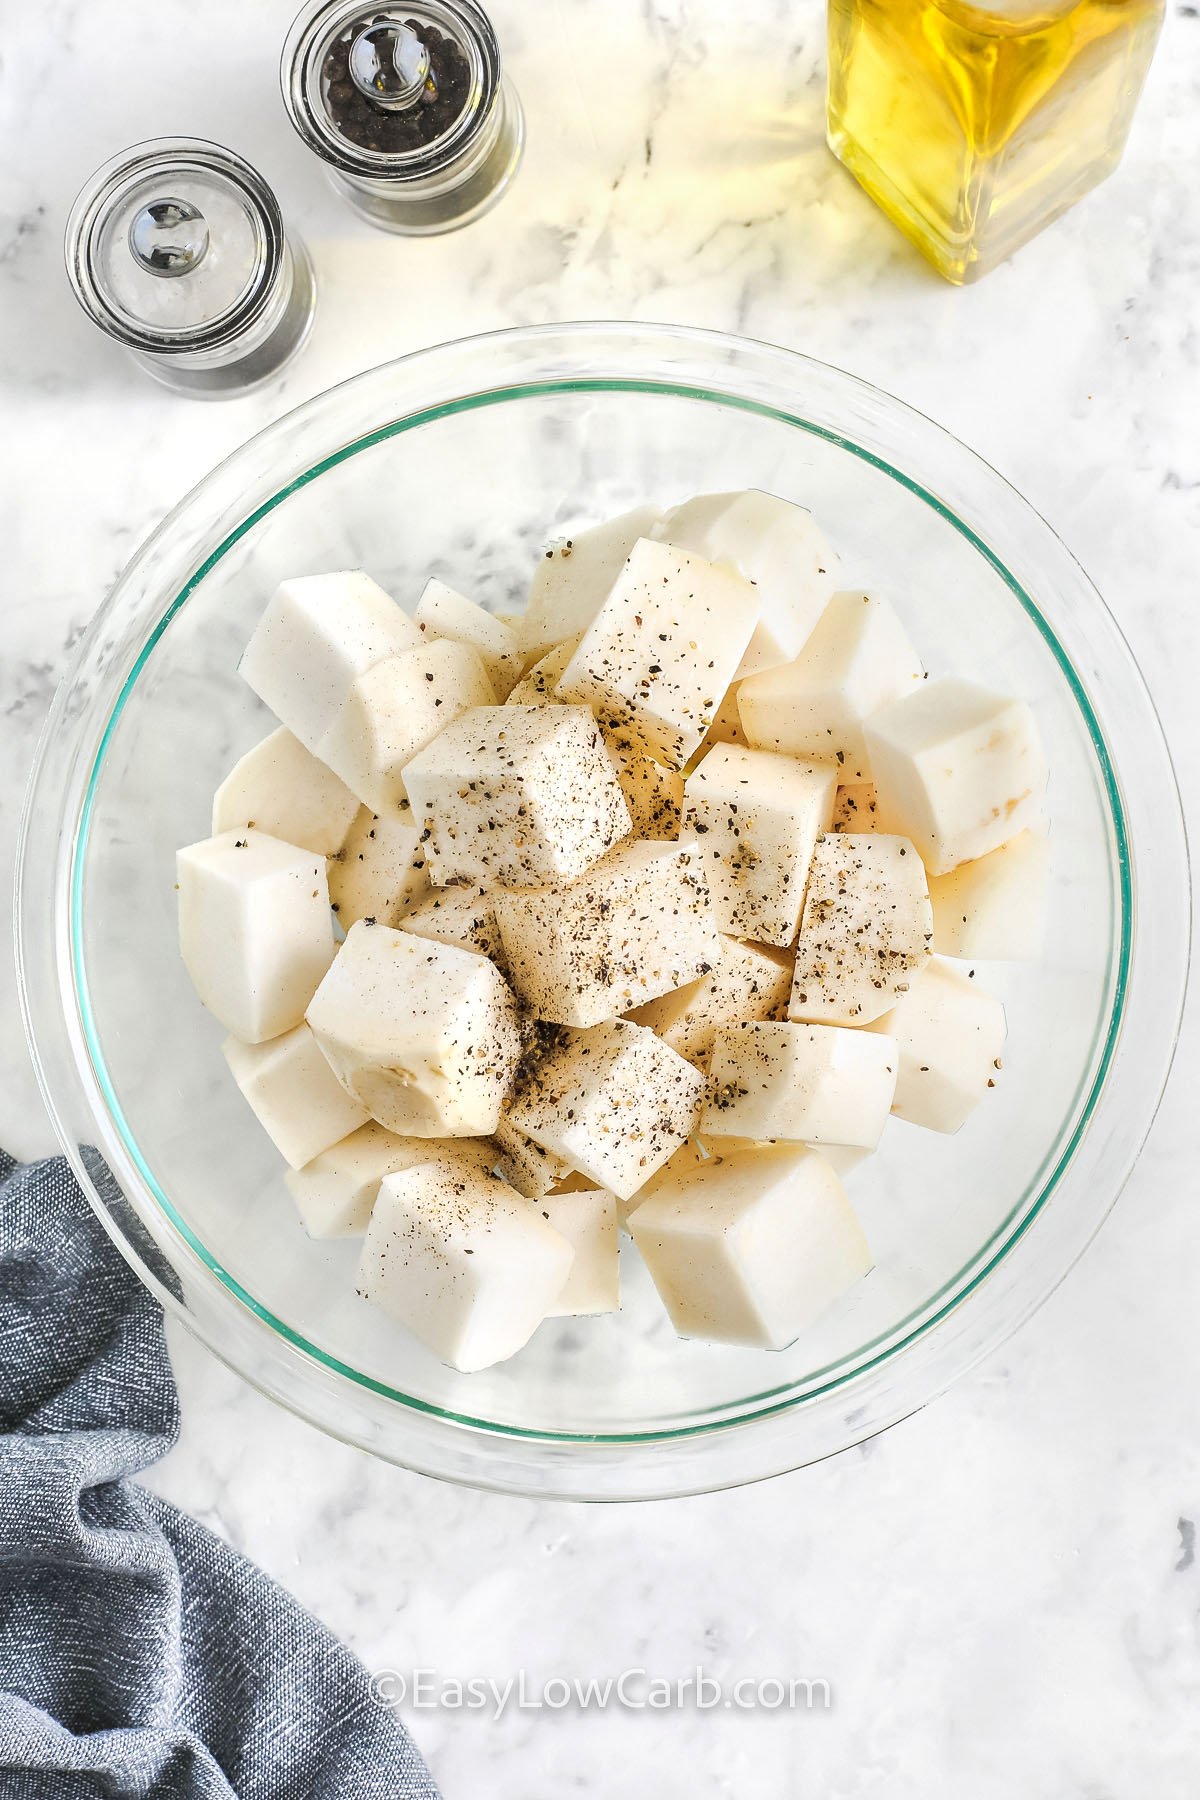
(973, 126)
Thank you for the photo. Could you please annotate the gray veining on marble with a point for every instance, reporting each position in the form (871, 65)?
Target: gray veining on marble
(1002, 1593)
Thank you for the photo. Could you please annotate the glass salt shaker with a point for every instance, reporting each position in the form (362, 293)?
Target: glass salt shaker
(176, 248)
(409, 107)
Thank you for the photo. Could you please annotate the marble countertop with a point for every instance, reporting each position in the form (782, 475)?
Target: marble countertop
(1003, 1592)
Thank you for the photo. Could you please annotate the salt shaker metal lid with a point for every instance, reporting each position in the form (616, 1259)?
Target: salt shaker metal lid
(177, 249)
(409, 107)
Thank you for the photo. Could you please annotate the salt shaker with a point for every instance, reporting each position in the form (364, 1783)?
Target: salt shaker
(176, 248)
(408, 106)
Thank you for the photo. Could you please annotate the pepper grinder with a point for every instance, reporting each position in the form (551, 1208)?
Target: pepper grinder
(177, 249)
(408, 106)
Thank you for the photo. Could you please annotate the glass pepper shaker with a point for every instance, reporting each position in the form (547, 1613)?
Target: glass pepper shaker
(176, 248)
(409, 107)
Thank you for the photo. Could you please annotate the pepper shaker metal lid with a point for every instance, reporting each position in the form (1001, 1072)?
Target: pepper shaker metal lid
(409, 107)
(177, 249)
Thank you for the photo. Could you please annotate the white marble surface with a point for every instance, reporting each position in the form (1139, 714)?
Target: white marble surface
(1002, 1592)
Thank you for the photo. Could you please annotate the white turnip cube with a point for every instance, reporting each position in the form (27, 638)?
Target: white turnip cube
(529, 1167)
(335, 1192)
(957, 769)
(688, 1156)
(854, 807)
(463, 916)
(635, 926)
(573, 578)
(662, 650)
(536, 687)
(751, 1248)
(773, 543)
(857, 659)
(867, 928)
(809, 1084)
(994, 908)
(614, 1102)
(294, 1094)
(587, 1218)
(517, 796)
(397, 708)
(949, 1035)
(280, 787)
(379, 872)
(442, 612)
(654, 795)
(726, 727)
(757, 818)
(843, 1159)
(317, 635)
(425, 1035)
(745, 982)
(255, 930)
(462, 1262)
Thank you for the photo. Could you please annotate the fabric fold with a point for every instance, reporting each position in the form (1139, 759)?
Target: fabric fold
(141, 1658)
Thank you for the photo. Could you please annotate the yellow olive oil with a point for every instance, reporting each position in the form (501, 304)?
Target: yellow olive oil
(973, 126)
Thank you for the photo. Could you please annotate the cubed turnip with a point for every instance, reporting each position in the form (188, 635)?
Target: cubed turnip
(425, 1035)
(462, 1262)
(255, 930)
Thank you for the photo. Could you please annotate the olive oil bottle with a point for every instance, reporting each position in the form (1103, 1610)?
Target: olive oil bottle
(972, 126)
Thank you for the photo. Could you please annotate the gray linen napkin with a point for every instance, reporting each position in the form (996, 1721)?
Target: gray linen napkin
(139, 1654)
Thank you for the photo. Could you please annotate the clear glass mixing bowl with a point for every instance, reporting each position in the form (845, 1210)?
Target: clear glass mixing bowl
(460, 460)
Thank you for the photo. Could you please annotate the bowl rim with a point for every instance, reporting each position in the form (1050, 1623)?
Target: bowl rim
(883, 1352)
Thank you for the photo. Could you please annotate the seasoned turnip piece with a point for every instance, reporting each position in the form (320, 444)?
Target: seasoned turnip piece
(394, 710)
(317, 635)
(688, 1156)
(463, 916)
(442, 612)
(843, 1159)
(857, 659)
(854, 807)
(279, 787)
(726, 727)
(614, 1101)
(949, 1035)
(587, 1218)
(463, 1262)
(745, 982)
(637, 925)
(380, 870)
(811, 1084)
(294, 1094)
(751, 1248)
(517, 796)
(537, 685)
(573, 578)
(654, 795)
(255, 931)
(527, 1166)
(662, 650)
(994, 908)
(957, 769)
(334, 1194)
(774, 544)
(867, 928)
(425, 1035)
(758, 817)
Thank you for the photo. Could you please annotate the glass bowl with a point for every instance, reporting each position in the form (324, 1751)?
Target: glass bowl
(460, 461)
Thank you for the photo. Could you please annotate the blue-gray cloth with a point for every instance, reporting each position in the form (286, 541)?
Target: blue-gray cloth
(140, 1655)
